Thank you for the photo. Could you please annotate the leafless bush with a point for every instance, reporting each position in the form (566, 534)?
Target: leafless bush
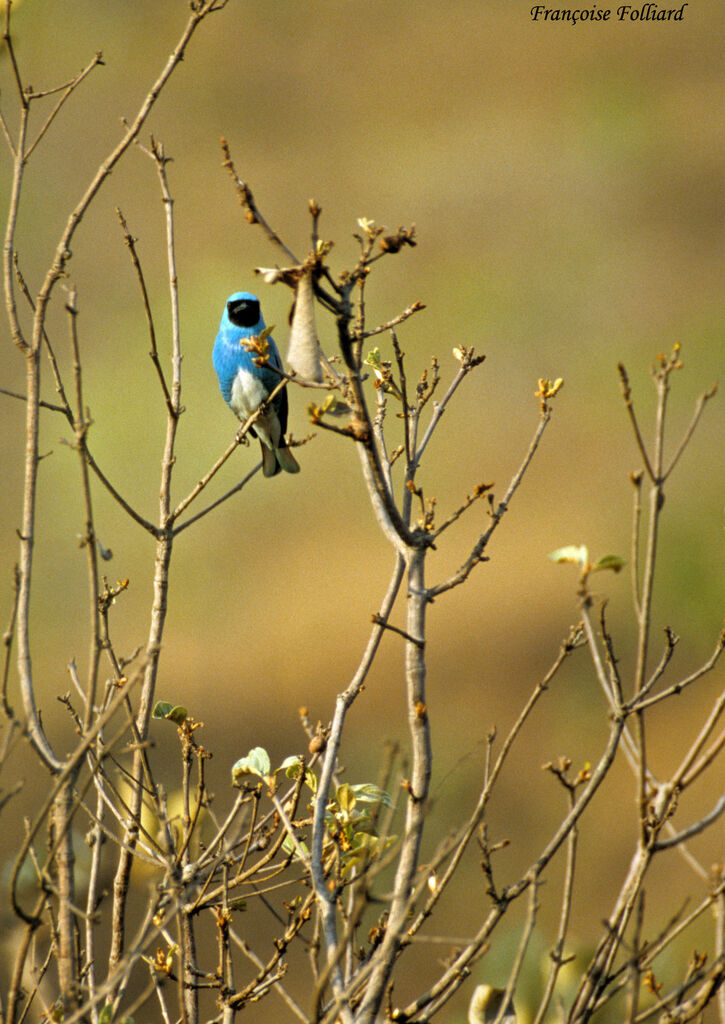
(338, 860)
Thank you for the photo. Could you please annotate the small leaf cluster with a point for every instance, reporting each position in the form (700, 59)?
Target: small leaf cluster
(351, 814)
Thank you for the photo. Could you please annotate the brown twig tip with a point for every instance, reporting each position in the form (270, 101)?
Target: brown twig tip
(467, 357)
(396, 241)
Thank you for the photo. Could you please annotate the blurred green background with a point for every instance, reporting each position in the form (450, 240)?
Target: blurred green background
(567, 187)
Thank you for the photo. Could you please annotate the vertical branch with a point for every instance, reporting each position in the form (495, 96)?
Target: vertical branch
(161, 160)
(164, 546)
(598, 974)
(96, 840)
(557, 954)
(32, 350)
(655, 470)
(655, 506)
(636, 480)
(417, 787)
(8, 645)
(720, 947)
(10, 227)
(189, 995)
(326, 900)
(80, 429)
(65, 863)
(32, 393)
(36, 734)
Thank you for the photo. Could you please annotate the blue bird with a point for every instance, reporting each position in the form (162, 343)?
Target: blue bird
(245, 385)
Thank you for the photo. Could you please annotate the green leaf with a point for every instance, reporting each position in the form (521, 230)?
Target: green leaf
(292, 765)
(614, 562)
(106, 1014)
(175, 713)
(577, 554)
(255, 763)
(372, 794)
(373, 359)
(365, 849)
(289, 847)
(345, 798)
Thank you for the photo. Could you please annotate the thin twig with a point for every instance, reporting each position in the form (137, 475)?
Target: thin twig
(154, 354)
(246, 200)
(477, 554)
(414, 307)
(687, 436)
(211, 473)
(67, 90)
(627, 394)
(678, 687)
(43, 404)
(80, 429)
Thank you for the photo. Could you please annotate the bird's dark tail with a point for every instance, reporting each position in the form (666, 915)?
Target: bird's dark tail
(286, 460)
(275, 460)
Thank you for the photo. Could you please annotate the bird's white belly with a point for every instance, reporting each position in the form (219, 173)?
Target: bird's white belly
(248, 393)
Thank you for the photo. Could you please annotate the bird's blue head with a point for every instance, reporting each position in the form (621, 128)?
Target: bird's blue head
(243, 311)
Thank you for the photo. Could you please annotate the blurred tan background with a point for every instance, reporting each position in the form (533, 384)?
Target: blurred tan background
(567, 187)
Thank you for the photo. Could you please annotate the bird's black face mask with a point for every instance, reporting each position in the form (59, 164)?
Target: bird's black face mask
(243, 312)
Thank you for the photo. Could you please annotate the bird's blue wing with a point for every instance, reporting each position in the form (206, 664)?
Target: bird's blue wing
(226, 363)
(280, 401)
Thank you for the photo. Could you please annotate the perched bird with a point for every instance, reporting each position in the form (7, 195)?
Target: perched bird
(245, 385)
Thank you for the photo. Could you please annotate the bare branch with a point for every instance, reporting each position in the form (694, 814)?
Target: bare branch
(246, 200)
(43, 404)
(641, 704)
(131, 244)
(211, 473)
(477, 554)
(415, 307)
(67, 91)
(687, 437)
(627, 394)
